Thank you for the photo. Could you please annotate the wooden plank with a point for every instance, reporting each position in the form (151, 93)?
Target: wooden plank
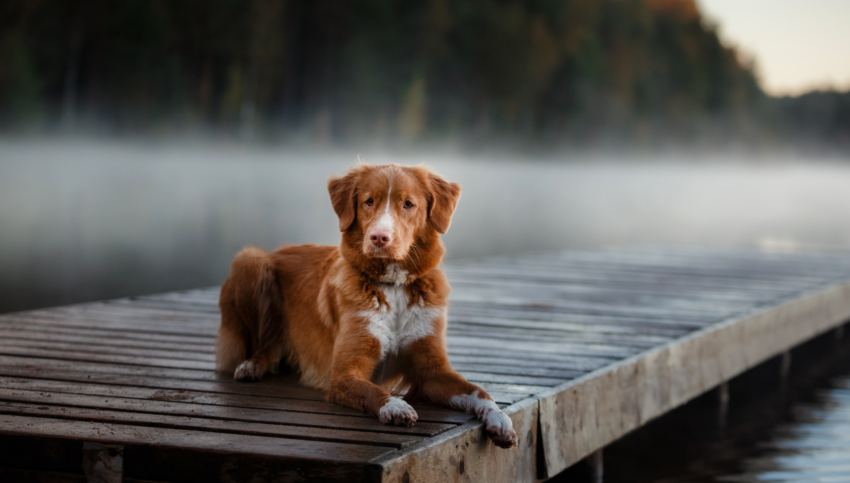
(515, 369)
(691, 300)
(106, 349)
(207, 296)
(8, 331)
(572, 325)
(94, 357)
(32, 364)
(521, 333)
(725, 258)
(168, 305)
(281, 386)
(474, 376)
(586, 414)
(125, 325)
(602, 341)
(284, 386)
(204, 352)
(183, 395)
(692, 276)
(564, 362)
(392, 440)
(115, 310)
(625, 279)
(192, 456)
(592, 308)
(497, 387)
(465, 454)
(494, 343)
(187, 342)
(544, 356)
(529, 314)
(219, 412)
(714, 266)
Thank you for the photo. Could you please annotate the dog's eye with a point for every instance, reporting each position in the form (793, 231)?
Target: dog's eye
(408, 204)
(370, 202)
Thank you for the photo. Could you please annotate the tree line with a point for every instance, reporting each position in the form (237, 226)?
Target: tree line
(559, 71)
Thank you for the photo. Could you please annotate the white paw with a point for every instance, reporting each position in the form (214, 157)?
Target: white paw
(247, 371)
(397, 412)
(497, 424)
(500, 428)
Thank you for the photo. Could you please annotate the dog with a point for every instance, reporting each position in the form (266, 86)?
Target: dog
(365, 321)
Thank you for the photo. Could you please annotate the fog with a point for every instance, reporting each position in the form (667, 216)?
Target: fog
(87, 220)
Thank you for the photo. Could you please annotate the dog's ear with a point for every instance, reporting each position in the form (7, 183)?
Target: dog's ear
(343, 191)
(442, 202)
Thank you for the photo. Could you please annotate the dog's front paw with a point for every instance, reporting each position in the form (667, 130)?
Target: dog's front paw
(398, 412)
(248, 371)
(500, 429)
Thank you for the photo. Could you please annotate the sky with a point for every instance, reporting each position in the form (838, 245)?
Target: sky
(797, 45)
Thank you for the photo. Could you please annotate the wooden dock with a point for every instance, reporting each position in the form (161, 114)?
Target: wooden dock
(580, 347)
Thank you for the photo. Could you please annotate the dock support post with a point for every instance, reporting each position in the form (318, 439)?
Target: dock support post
(596, 466)
(723, 403)
(103, 463)
(785, 368)
(839, 332)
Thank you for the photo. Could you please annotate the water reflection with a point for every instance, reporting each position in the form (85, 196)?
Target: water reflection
(814, 447)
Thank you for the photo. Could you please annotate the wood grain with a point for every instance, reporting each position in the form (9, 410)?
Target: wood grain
(579, 347)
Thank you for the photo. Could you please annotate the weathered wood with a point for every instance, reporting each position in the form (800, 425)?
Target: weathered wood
(618, 276)
(182, 455)
(95, 337)
(582, 347)
(78, 356)
(177, 379)
(62, 346)
(465, 454)
(220, 412)
(427, 413)
(393, 440)
(536, 334)
(580, 328)
(586, 414)
(120, 326)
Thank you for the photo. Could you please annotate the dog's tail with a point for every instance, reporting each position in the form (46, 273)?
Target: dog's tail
(252, 323)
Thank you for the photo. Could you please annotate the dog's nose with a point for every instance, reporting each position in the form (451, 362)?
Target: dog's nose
(379, 238)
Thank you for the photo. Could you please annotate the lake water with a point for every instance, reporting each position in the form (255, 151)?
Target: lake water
(91, 220)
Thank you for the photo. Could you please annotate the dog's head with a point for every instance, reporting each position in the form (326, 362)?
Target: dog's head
(391, 211)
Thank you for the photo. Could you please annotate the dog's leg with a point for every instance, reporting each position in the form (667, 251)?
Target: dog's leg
(355, 358)
(269, 339)
(252, 317)
(433, 379)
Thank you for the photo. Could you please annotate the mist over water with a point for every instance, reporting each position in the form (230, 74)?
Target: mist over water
(84, 221)
(87, 220)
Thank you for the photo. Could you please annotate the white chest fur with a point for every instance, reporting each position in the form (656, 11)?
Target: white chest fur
(398, 325)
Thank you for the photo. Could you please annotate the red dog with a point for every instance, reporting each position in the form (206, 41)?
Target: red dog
(365, 318)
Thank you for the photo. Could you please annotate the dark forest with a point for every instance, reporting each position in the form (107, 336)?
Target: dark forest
(565, 72)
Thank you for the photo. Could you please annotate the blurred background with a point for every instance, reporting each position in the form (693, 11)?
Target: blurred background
(143, 142)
